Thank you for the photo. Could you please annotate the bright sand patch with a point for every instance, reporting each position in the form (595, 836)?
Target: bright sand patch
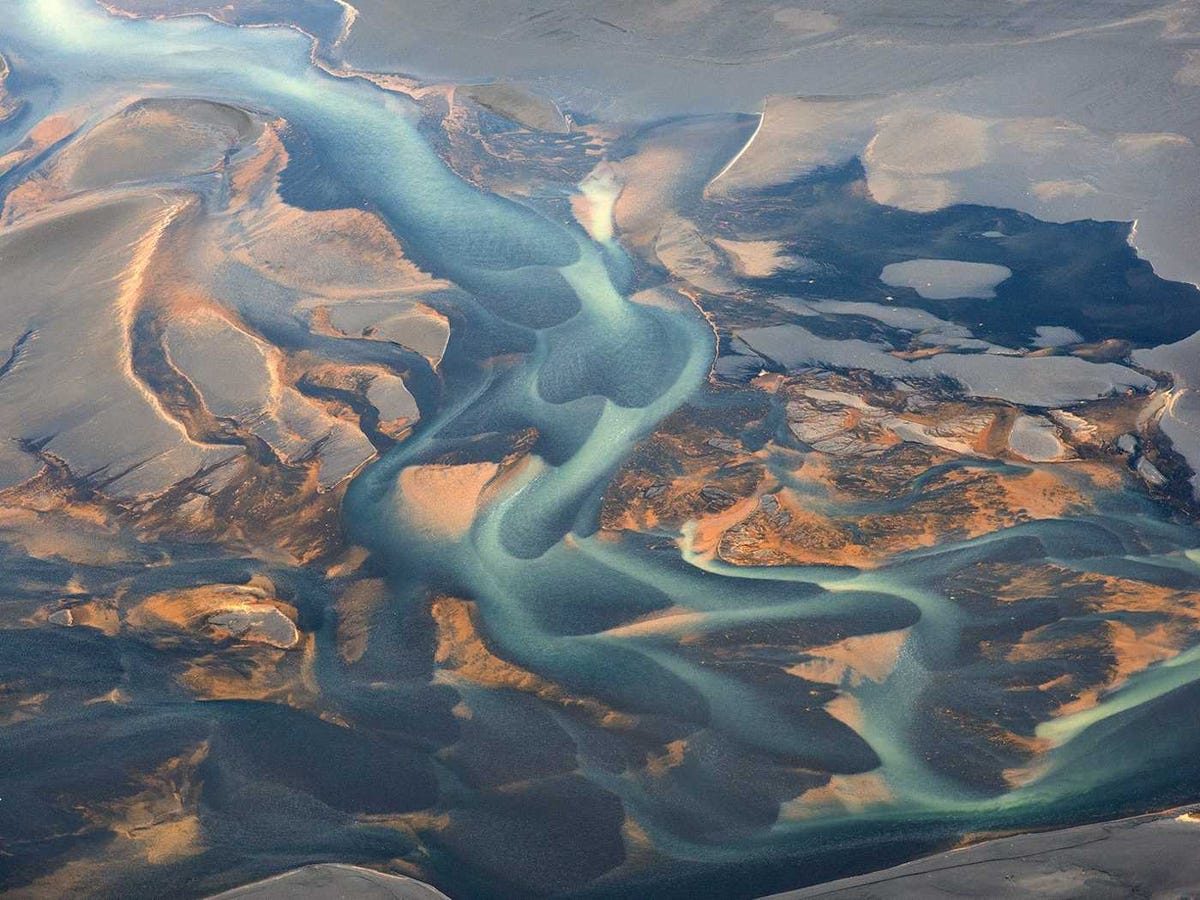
(596, 201)
(851, 792)
(755, 259)
(443, 500)
(870, 656)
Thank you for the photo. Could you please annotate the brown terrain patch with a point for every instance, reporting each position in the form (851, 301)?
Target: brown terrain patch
(255, 673)
(869, 446)
(443, 500)
(871, 656)
(852, 793)
(463, 653)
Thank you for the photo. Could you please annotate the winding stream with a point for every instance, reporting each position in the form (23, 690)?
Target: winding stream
(597, 372)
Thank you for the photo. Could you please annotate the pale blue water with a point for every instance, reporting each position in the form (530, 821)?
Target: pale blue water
(602, 373)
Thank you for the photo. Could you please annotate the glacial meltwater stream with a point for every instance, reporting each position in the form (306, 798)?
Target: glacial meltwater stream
(593, 368)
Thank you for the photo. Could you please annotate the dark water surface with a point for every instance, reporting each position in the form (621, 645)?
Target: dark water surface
(597, 373)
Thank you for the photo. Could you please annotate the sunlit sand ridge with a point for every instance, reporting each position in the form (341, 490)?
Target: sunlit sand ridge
(813, 610)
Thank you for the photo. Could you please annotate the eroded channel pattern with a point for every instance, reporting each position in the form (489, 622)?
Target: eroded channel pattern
(423, 481)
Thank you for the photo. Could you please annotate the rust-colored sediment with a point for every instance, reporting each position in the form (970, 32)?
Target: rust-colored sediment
(462, 652)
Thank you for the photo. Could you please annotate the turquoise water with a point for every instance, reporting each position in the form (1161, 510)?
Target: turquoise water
(600, 373)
